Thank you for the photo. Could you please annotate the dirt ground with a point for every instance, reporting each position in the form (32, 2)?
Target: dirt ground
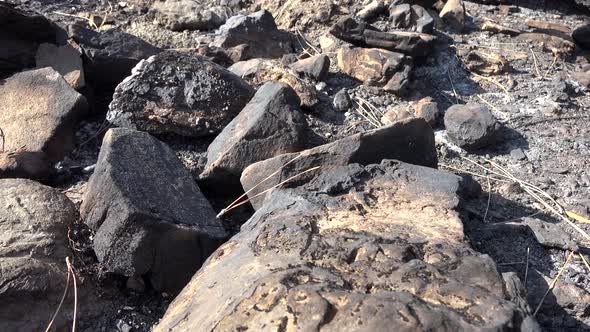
(542, 114)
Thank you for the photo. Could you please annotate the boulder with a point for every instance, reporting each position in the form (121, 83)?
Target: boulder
(355, 248)
(178, 15)
(581, 36)
(375, 66)
(24, 164)
(109, 56)
(410, 140)
(365, 35)
(21, 33)
(39, 111)
(471, 126)
(411, 18)
(453, 14)
(271, 124)
(315, 67)
(149, 216)
(178, 93)
(34, 223)
(65, 60)
(253, 36)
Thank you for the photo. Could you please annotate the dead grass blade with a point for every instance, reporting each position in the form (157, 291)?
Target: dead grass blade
(61, 302)
(366, 113)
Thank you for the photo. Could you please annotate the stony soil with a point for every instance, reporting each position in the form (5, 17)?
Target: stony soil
(539, 115)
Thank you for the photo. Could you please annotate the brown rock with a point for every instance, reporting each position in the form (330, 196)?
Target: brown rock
(34, 223)
(556, 45)
(315, 67)
(498, 28)
(65, 60)
(39, 112)
(24, 164)
(375, 66)
(374, 248)
(453, 14)
(549, 27)
(394, 114)
(427, 109)
(486, 63)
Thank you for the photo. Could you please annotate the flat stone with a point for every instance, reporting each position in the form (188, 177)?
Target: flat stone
(178, 93)
(149, 216)
(364, 35)
(353, 248)
(179, 15)
(315, 67)
(410, 140)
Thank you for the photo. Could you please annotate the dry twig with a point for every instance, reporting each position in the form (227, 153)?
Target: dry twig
(553, 283)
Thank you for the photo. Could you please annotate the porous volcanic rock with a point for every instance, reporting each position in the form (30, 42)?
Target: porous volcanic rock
(410, 140)
(253, 36)
(39, 111)
(34, 223)
(149, 215)
(109, 56)
(178, 93)
(271, 124)
(356, 248)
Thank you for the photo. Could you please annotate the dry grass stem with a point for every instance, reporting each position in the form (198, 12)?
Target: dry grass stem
(538, 72)
(585, 261)
(453, 87)
(61, 302)
(553, 283)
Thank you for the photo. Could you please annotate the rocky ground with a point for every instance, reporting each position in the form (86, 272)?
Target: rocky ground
(156, 115)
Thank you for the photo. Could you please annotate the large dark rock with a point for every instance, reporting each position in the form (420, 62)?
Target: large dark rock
(149, 216)
(109, 56)
(471, 126)
(375, 248)
(178, 93)
(253, 36)
(365, 35)
(410, 140)
(581, 36)
(34, 223)
(271, 124)
(178, 15)
(39, 112)
(20, 35)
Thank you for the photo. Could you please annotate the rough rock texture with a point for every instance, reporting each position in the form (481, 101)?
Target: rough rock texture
(109, 56)
(358, 248)
(471, 126)
(410, 140)
(65, 60)
(178, 15)
(149, 216)
(411, 18)
(24, 164)
(39, 111)
(427, 109)
(253, 36)
(375, 66)
(34, 222)
(20, 35)
(271, 124)
(364, 35)
(178, 93)
(315, 67)
(259, 71)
